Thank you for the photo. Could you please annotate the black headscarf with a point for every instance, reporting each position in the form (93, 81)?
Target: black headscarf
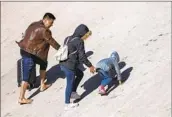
(80, 31)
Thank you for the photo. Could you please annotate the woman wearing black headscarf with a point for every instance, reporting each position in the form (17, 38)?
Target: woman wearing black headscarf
(76, 56)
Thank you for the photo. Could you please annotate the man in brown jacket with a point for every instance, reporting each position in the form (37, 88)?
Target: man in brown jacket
(34, 49)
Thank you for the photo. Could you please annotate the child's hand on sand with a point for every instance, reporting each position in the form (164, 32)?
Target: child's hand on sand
(120, 82)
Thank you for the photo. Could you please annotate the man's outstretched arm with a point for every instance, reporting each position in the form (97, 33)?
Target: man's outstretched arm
(48, 37)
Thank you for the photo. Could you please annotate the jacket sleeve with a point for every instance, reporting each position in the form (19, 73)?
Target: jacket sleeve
(82, 55)
(48, 37)
(115, 63)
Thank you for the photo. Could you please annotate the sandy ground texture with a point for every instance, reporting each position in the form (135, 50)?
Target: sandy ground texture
(139, 31)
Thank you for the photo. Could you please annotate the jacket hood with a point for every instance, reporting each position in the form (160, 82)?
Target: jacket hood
(114, 55)
(80, 31)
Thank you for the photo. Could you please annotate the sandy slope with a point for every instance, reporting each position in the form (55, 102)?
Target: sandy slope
(139, 31)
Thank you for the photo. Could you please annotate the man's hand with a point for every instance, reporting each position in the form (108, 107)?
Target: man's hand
(92, 69)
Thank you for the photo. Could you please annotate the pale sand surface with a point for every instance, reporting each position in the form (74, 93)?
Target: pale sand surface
(139, 31)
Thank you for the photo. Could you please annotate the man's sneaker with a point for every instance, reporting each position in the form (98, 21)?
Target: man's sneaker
(102, 90)
(71, 105)
(75, 95)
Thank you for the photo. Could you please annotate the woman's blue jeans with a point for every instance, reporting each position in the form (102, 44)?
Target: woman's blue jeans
(73, 79)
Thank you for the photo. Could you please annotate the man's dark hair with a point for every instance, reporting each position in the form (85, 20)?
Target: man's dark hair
(49, 15)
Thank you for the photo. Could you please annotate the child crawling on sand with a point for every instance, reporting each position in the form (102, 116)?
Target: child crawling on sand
(104, 67)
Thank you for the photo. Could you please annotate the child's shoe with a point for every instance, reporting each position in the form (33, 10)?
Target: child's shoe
(102, 90)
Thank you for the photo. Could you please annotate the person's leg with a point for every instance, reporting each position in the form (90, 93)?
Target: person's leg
(26, 64)
(79, 75)
(43, 67)
(69, 81)
(43, 78)
(69, 78)
(106, 80)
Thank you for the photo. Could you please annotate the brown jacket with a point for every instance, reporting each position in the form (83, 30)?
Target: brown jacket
(37, 40)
